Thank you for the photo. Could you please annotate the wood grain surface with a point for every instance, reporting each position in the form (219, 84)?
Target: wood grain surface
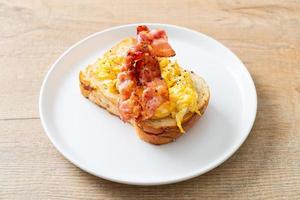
(264, 34)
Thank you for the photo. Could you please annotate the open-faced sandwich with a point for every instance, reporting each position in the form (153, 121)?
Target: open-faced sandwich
(137, 81)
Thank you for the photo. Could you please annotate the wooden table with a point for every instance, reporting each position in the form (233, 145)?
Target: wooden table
(264, 34)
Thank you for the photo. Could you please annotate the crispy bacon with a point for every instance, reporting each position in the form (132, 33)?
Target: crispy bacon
(130, 108)
(142, 90)
(155, 94)
(157, 39)
(142, 28)
(126, 83)
(147, 69)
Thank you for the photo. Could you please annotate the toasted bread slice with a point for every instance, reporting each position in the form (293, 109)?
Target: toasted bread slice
(154, 131)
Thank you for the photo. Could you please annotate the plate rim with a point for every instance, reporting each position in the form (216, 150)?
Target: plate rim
(213, 165)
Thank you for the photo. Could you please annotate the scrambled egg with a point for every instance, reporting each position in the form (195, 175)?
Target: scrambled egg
(182, 93)
(107, 70)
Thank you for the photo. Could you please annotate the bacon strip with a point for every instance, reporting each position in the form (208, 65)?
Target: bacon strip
(142, 90)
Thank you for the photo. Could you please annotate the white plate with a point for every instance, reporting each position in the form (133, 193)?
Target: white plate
(101, 144)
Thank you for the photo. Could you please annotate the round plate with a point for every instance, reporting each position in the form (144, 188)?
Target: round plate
(103, 145)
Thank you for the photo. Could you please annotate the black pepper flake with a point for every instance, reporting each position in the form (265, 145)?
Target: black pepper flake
(192, 72)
